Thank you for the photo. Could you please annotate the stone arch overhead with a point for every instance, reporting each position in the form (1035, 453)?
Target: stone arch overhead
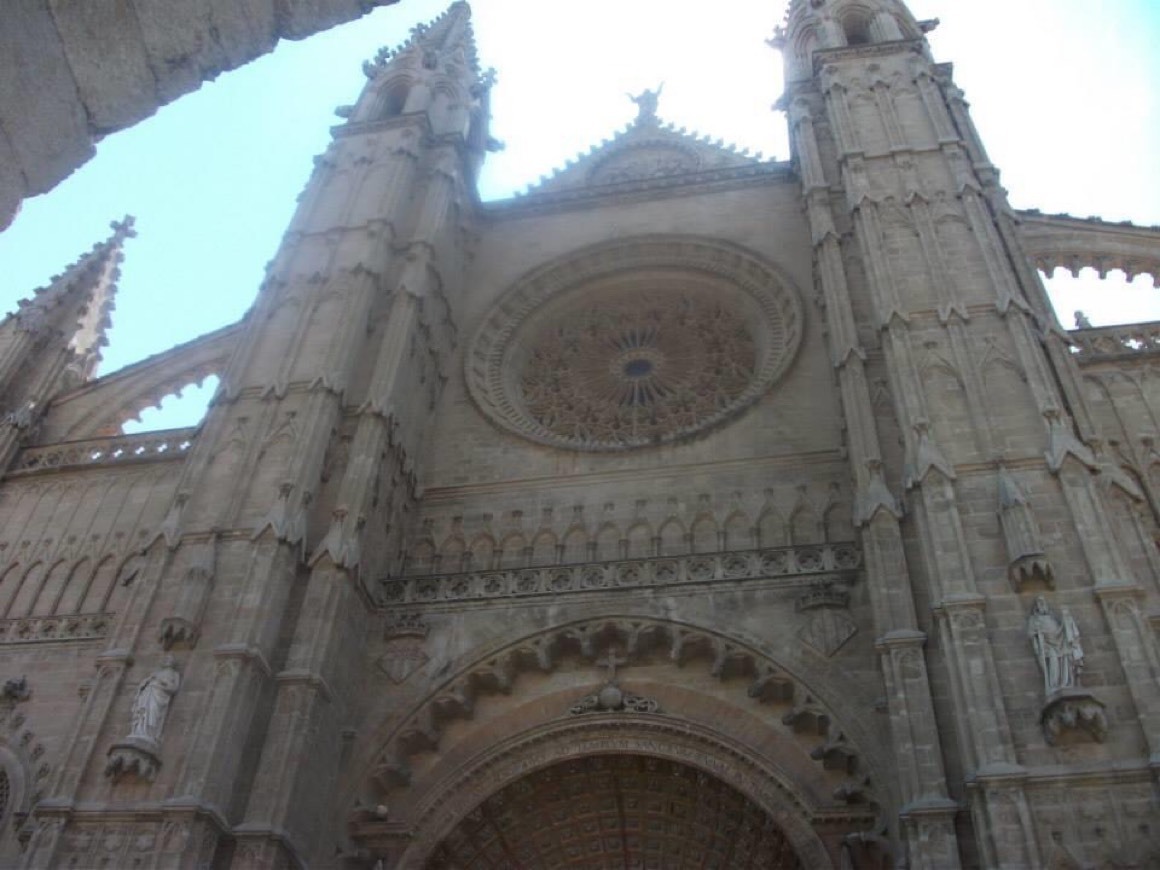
(812, 702)
(101, 406)
(1054, 241)
(513, 759)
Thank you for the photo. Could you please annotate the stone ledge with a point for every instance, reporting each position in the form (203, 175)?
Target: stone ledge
(836, 560)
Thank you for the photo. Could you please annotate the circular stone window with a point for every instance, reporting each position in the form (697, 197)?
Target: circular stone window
(635, 344)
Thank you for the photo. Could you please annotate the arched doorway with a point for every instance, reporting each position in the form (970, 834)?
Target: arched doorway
(616, 812)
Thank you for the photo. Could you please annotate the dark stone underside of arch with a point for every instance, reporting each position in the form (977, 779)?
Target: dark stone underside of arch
(616, 812)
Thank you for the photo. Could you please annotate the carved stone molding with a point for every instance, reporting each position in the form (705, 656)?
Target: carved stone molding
(411, 841)
(46, 629)
(839, 560)
(404, 634)
(827, 627)
(133, 757)
(611, 698)
(642, 641)
(120, 450)
(1073, 712)
(675, 308)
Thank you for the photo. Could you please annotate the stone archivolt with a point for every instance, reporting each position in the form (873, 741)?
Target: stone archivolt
(812, 733)
(658, 812)
(633, 344)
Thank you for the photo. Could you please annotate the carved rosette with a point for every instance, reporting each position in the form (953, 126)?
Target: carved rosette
(634, 344)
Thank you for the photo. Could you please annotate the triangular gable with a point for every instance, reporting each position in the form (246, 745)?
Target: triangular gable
(645, 149)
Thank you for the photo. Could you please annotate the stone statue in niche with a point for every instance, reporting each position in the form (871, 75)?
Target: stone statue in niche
(151, 705)
(1055, 640)
(1069, 710)
(138, 754)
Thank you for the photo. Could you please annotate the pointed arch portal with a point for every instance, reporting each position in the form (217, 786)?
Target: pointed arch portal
(616, 811)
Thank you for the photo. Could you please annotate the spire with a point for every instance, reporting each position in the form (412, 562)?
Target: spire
(434, 75)
(77, 303)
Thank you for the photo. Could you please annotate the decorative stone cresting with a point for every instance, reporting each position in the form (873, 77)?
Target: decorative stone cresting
(839, 560)
(634, 343)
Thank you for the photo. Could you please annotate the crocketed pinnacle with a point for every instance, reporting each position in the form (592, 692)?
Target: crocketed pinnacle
(77, 303)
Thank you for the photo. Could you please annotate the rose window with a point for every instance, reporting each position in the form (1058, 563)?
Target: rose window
(638, 356)
(632, 366)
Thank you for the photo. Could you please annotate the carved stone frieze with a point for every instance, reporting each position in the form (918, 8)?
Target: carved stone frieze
(45, 629)
(122, 449)
(839, 560)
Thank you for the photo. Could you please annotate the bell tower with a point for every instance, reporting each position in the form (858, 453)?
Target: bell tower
(937, 319)
(293, 501)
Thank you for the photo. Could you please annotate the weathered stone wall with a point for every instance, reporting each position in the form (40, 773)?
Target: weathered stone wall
(73, 71)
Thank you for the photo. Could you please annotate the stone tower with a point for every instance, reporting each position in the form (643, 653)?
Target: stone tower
(690, 510)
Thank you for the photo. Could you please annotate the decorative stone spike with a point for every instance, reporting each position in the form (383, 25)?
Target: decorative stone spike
(1026, 560)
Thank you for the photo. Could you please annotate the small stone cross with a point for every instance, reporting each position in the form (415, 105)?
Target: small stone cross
(611, 661)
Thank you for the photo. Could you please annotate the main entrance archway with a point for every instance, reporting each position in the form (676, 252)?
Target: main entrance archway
(616, 812)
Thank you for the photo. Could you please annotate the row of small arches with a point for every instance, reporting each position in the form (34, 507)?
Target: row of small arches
(64, 587)
(640, 539)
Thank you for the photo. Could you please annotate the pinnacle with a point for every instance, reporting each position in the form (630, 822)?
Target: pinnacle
(449, 29)
(83, 293)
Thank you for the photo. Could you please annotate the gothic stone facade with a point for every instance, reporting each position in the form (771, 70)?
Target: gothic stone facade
(691, 510)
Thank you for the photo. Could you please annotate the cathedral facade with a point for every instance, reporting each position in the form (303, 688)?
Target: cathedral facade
(691, 510)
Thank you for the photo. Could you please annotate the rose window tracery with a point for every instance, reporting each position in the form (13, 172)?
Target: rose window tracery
(630, 367)
(678, 339)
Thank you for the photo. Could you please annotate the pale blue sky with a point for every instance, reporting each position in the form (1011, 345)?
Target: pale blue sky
(1062, 90)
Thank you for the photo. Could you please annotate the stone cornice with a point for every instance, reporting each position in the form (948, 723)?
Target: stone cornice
(795, 564)
(664, 472)
(661, 187)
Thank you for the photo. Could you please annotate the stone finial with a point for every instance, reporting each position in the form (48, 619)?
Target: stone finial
(1026, 560)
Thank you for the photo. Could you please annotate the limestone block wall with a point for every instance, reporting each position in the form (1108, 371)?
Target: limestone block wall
(483, 484)
(71, 547)
(72, 72)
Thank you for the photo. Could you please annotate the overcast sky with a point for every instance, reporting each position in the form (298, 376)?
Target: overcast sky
(1063, 91)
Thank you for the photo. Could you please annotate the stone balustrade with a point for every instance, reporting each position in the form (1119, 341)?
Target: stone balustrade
(1110, 343)
(118, 449)
(739, 565)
